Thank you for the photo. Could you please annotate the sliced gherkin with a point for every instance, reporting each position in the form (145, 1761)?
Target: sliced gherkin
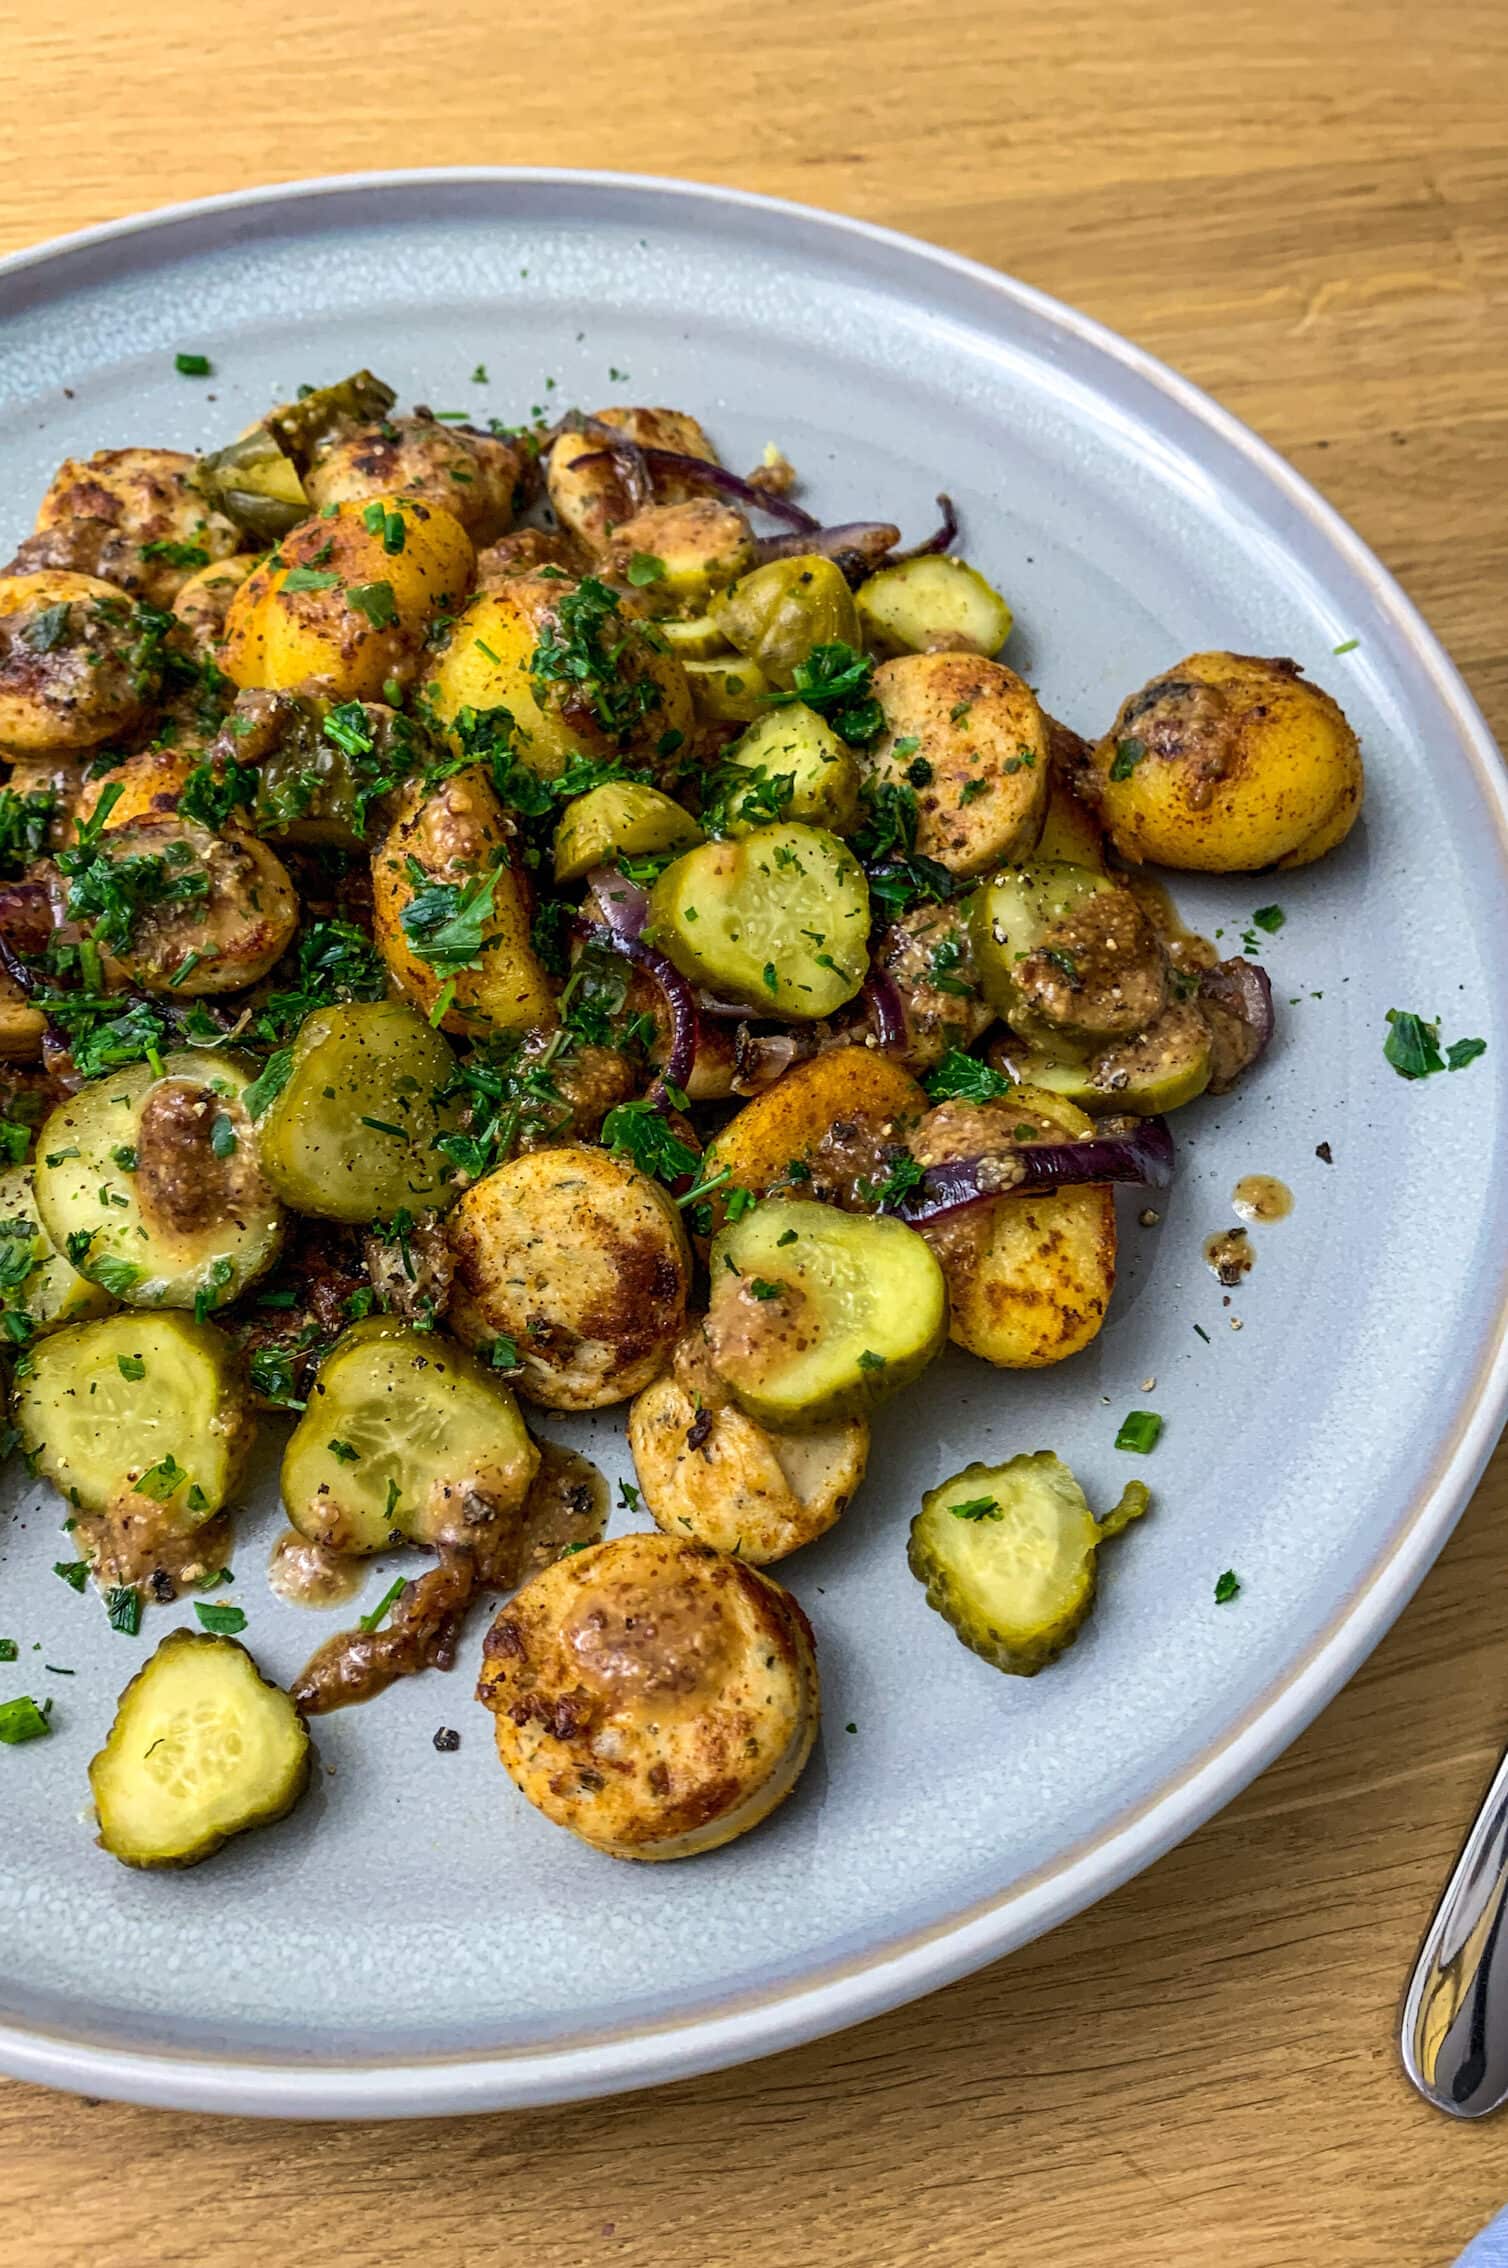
(202, 1748)
(254, 485)
(779, 612)
(36, 1282)
(932, 604)
(351, 1134)
(619, 819)
(148, 1181)
(817, 1314)
(137, 1404)
(790, 765)
(301, 428)
(406, 1437)
(1009, 1556)
(778, 917)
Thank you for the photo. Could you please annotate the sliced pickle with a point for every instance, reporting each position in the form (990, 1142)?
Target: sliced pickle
(728, 688)
(254, 485)
(816, 1314)
(620, 819)
(301, 428)
(797, 768)
(697, 638)
(934, 604)
(202, 1747)
(1009, 1556)
(103, 1408)
(1012, 914)
(149, 1183)
(36, 1283)
(777, 614)
(1161, 1069)
(779, 918)
(351, 1134)
(406, 1439)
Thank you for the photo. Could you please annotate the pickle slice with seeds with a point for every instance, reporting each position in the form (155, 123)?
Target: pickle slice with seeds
(100, 1407)
(1009, 1555)
(203, 1747)
(779, 918)
(817, 1314)
(351, 1134)
(406, 1436)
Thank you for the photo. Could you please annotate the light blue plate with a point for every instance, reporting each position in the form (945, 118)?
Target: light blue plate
(416, 1938)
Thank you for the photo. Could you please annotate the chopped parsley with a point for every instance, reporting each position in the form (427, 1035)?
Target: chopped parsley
(1270, 918)
(223, 1621)
(379, 1611)
(375, 601)
(581, 653)
(1128, 754)
(1413, 1046)
(978, 1508)
(1227, 1586)
(644, 568)
(835, 681)
(445, 922)
(21, 1719)
(123, 1609)
(193, 365)
(963, 1078)
(130, 1366)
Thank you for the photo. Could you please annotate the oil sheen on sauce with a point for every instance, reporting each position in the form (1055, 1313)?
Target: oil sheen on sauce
(1261, 1197)
(309, 1574)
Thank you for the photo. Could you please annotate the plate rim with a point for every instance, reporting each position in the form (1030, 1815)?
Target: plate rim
(842, 1993)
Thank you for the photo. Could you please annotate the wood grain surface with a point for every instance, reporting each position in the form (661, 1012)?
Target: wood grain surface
(1305, 207)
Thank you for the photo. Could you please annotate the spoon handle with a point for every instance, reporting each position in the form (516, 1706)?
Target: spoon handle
(1455, 2012)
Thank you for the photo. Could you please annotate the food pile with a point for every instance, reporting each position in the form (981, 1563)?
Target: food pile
(515, 916)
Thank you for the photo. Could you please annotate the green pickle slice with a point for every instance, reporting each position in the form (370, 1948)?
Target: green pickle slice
(407, 1438)
(351, 1134)
(1009, 1556)
(779, 918)
(776, 614)
(202, 1748)
(935, 603)
(796, 761)
(817, 1314)
(1015, 911)
(36, 1282)
(620, 819)
(102, 1407)
(148, 1181)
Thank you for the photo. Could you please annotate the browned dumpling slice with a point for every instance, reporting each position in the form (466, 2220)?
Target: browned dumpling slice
(710, 1471)
(580, 1263)
(653, 1695)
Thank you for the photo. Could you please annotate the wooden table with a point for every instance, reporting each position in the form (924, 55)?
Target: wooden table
(1306, 209)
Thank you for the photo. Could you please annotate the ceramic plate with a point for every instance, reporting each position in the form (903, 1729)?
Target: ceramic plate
(416, 1938)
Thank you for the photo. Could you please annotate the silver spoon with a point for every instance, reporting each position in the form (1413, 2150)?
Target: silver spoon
(1455, 2012)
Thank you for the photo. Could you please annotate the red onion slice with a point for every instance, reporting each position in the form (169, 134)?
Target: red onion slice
(856, 546)
(941, 539)
(620, 446)
(618, 905)
(669, 464)
(679, 999)
(1144, 1156)
(886, 1013)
